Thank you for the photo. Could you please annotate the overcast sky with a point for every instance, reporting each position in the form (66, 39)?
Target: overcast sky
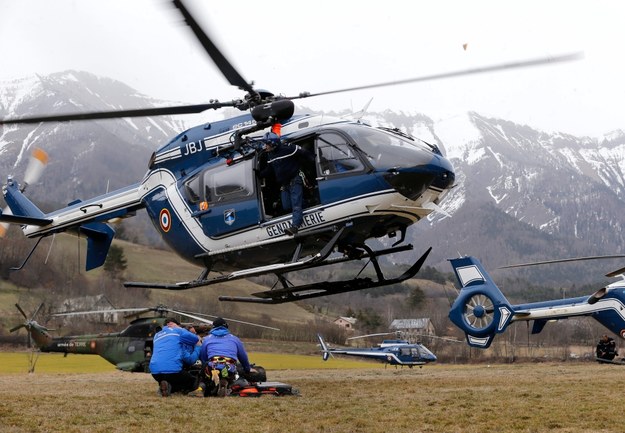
(289, 47)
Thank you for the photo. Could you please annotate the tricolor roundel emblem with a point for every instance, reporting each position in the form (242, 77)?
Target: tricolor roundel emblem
(165, 220)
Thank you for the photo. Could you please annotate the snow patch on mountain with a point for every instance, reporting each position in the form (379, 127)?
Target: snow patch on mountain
(458, 134)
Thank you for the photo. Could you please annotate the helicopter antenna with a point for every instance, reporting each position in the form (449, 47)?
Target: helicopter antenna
(359, 114)
(50, 249)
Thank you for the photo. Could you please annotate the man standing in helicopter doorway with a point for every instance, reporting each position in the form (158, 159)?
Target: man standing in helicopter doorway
(285, 162)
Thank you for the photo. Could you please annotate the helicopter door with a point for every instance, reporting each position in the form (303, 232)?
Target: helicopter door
(336, 160)
(271, 199)
(225, 197)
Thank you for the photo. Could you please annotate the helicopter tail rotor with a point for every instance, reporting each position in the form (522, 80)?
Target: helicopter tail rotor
(480, 310)
(35, 331)
(36, 165)
(325, 350)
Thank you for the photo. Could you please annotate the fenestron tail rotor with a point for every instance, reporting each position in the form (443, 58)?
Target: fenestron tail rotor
(479, 312)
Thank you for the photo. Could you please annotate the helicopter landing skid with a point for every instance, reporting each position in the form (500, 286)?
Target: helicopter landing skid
(295, 293)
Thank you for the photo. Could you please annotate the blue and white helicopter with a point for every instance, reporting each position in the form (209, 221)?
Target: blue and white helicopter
(482, 311)
(393, 352)
(204, 199)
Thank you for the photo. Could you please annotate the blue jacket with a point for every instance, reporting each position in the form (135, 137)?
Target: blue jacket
(285, 161)
(173, 349)
(220, 342)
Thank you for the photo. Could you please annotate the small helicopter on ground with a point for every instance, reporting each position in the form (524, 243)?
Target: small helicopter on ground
(203, 197)
(482, 311)
(393, 352)
(129, 350)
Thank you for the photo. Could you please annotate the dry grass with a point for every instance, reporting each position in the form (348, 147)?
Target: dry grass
(549, 397)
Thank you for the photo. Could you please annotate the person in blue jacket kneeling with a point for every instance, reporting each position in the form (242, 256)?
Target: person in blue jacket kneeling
(220, 353)
(174, 349)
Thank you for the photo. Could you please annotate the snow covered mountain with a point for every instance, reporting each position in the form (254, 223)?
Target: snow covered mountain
(87, 158)
(522, 194)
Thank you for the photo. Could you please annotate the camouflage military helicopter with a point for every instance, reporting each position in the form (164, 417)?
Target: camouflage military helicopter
(129, 350)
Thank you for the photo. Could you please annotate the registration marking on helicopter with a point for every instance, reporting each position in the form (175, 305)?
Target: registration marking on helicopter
(72, 343)
(309, 220)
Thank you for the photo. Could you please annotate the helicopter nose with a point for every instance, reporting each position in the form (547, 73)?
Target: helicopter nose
(411, 182)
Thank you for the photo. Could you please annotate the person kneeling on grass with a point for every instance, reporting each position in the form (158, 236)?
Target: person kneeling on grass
(220, 353)
(174, 349)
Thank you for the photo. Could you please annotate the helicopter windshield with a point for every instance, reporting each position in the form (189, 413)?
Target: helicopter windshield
(336, 155)
(386, 150)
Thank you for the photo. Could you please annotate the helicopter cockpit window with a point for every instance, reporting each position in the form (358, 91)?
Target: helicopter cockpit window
(192, 188)
(141, 330)
(383, 149)
(335, 155)
(405, 351)
(221, 184)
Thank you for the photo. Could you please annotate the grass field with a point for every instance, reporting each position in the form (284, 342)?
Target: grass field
(570, 397)
(18, 362)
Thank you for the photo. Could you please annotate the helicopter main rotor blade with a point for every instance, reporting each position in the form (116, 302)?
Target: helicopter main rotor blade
(574, 259)
(15, 328)
(372, 335)
(37, 310)
(111, 310)
(21, 311)
(192, 316)
(228, 319)
(226, 68)
(474, 71)
(140, 112)
(452, 340)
